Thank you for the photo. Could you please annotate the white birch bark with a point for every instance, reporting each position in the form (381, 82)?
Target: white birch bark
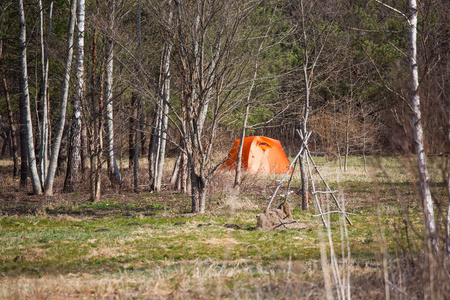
(73, 167)
(155, 144)
(428, 206)
(162, 113)
(109, 124)
(164, 119)
(43, 155)
(78, 109)
(44, 126)
(63, 106)
(37, 188)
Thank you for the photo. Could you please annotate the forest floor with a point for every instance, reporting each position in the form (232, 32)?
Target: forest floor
(148, 246)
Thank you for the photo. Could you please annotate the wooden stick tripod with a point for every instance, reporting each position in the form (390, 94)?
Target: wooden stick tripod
(309, 161)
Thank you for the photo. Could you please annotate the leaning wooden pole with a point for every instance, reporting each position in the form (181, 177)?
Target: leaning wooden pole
(302, 147)
(328, 187)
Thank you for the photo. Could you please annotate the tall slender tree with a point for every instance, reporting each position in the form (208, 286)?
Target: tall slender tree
(164, 104)
(113, 169)
(25, 100)
(431, 233)
(48, 188)
(74, 159)
(95, 118)
(43, 154)
(138, 104)
(11, 122)
(427, 200)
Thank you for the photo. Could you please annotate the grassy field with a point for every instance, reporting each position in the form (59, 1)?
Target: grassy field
(148, 245)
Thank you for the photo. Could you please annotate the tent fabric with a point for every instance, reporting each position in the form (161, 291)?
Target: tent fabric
(260, 155)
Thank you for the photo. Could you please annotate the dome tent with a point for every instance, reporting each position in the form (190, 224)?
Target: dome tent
(260, 155)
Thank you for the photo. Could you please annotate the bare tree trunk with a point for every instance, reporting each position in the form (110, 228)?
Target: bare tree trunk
(12, 125)
(138, 106)
(43, 156)
(45, 127)
(307, 74)
(428, 206)
(165, 113)
(175, 171)
(143, 135)
(364, 137)
(447, 225)
(179, 177)
(95, 160)
(198, 189)
(23, 146)
(237, 178)
(132, 130)
(96, 126)
(136, 143)
(96, 144)
(347, 138)
(74, 162)
(63, 106)
(338, 148)
(25, 97)
(84, 153)
(153, 148)
(185, 175)
(302, 157)
(113, 169)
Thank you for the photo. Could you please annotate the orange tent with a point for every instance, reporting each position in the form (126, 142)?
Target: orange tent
(260, 155)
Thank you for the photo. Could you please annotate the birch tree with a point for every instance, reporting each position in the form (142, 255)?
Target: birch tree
(95, 116)
(431, 233)
(160, 120)
(113, 170)
(163, 109)
(427, 201)
(25, 99)
(43, 154)
(74, 162)
(48, 187)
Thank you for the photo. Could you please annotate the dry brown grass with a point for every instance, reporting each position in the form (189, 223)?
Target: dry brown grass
(190, 280)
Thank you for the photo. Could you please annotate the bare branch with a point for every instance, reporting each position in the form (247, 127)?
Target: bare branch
(395, 10)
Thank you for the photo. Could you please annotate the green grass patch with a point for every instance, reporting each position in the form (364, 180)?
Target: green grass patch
(136, 242)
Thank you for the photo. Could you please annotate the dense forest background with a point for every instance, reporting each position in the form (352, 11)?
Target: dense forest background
(182, 79)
